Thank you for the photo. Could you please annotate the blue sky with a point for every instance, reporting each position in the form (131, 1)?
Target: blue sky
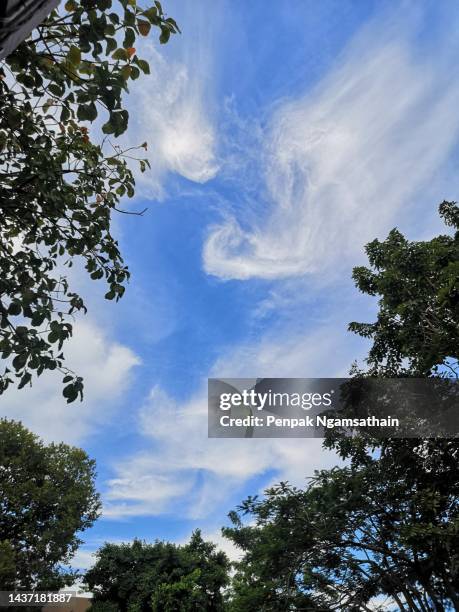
(282, 137)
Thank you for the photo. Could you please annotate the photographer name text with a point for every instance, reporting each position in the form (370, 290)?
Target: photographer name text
(307, 421)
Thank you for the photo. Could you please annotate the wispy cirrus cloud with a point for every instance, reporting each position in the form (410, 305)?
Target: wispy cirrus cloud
(171, 109)
(183, 468)
(187, 473)
(170, 114)
(340, 162)
(340, 165)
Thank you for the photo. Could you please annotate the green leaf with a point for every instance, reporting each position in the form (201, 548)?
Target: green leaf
(152, 15)
(97, 274)
(111, 45)
(126, 72)
(70, 6)
(144, 66)
(14, 308)
(87, 112)
(109, 30)
(19, 361)
(129, 38)
(108, 127)
(53, 337)
(129, 18)
(70, 392)
(65, 113)
(24, 380)
(26, 79)
(37, 318)
(135, 72)
(165, 35)
(56, 90)
(174, 24)
(120, 54)
(74, 55)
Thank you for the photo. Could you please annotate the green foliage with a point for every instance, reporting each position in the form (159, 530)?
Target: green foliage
(160, 577)
(47, 496)
(58, 188)
(377, 528)
(7, 565)
(181, 595)
(388, 523)
(417, 328)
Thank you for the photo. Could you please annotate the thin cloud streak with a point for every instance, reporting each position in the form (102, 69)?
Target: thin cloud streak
(184, 471)
(341, 162)
(171, 110)
(339, 166)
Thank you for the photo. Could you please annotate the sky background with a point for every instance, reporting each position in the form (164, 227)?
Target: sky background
(282, 138)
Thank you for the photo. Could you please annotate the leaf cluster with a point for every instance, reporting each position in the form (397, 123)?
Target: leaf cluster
(417, 327)
(47, 497)
(379, 527)
(162, 577)
(58, 188)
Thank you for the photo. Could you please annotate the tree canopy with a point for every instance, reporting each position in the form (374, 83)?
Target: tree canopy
(417, 327)
(162, 577)
(47, 497)
(387, 524)
(382, 527)
(416, 333)
(60, 183)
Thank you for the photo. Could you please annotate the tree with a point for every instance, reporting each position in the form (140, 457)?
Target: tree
(388, 523)
(417, 327)
(7, 564)
(59, 188)
(47, 497)
(416, 333)
(162, 577)
(379, 528)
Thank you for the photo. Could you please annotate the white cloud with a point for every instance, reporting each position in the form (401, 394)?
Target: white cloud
(326, 350)
(83, 559)
(171, 109)
(183, 471)
(106, 367)
(232, 551)
(342, 162)
(339, 164)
